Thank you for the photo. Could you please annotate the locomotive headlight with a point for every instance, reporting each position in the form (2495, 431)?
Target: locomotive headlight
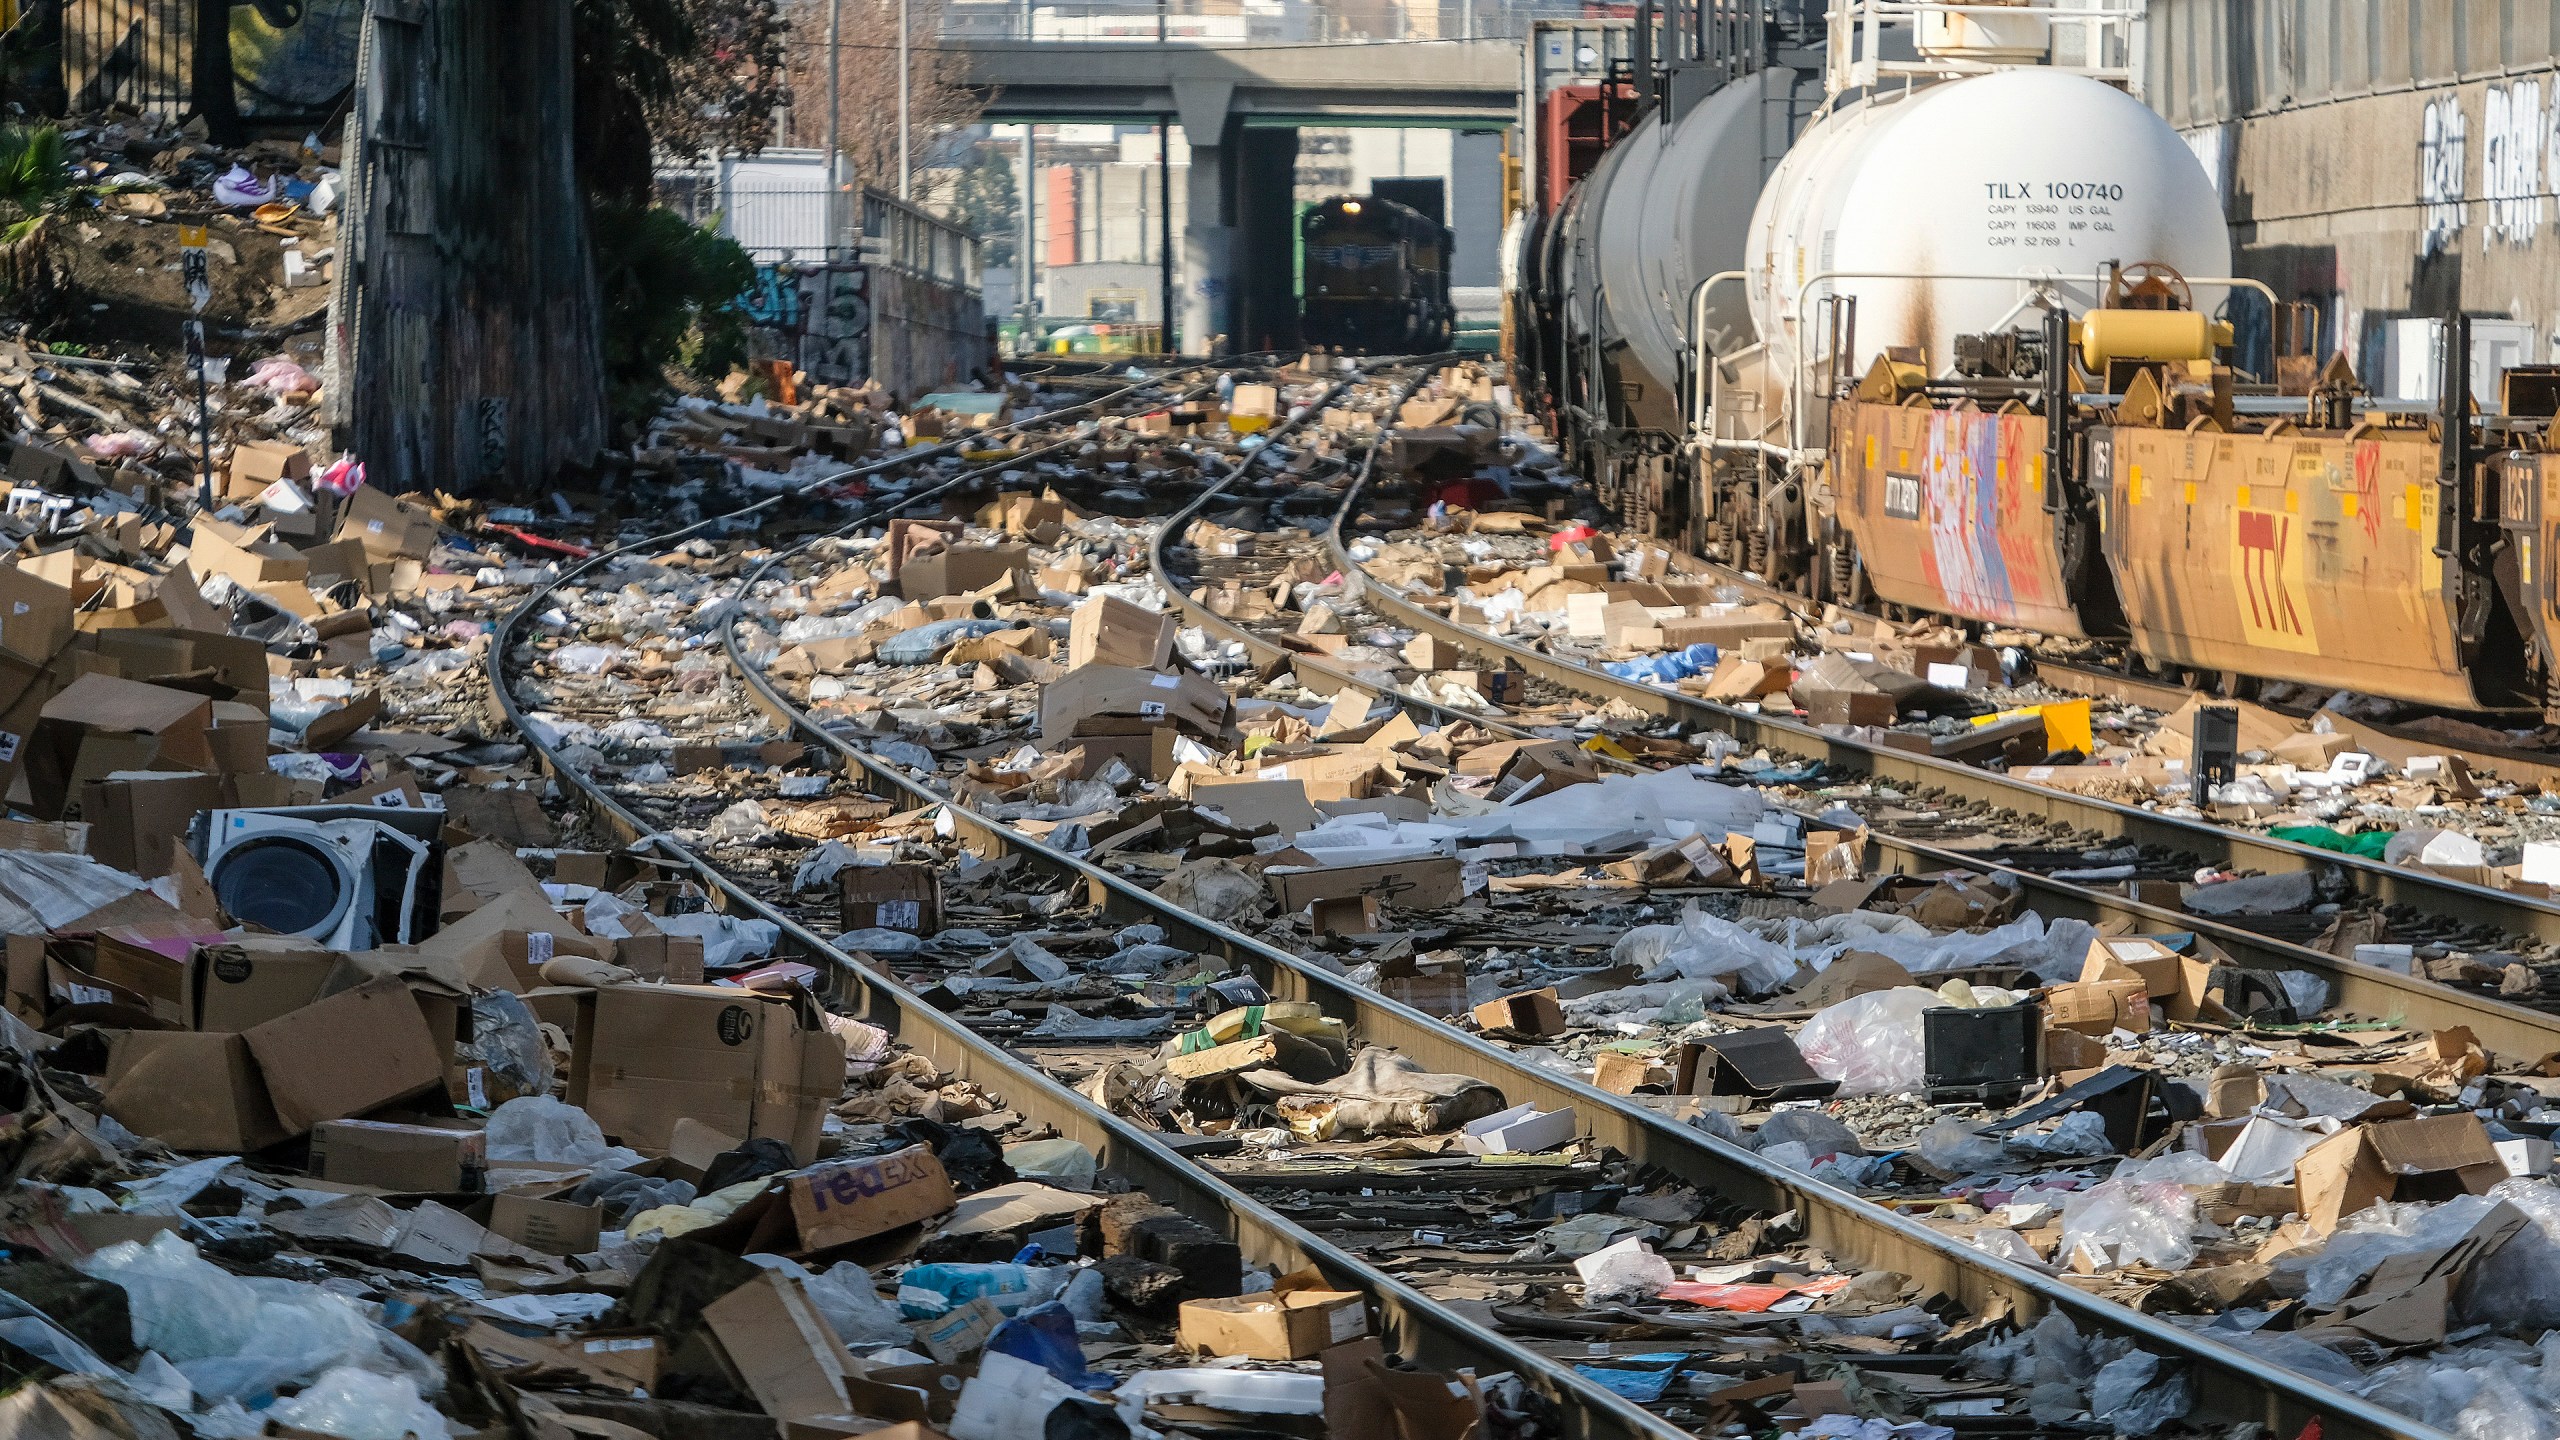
(1350, 207)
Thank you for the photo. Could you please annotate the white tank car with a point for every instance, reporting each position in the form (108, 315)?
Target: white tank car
(2017, 171)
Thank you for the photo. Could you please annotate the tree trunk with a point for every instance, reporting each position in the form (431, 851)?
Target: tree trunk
(468, 348)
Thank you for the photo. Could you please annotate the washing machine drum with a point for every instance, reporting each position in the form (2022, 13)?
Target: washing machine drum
(289, 884)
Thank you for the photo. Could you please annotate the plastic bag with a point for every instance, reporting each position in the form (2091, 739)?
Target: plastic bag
(726, 940)
(505, 1057)
(1669, 668)
(2521, 1291)
(1063, 1162)
(1817, 1132)
(1951, 1145)
(233, 1337)
(2130, 1394)
(926, 1291)
(1703, 947)
(924, 644)
(1624, 1271)
(361, 1405)
(552, 1132)
(1870, 1043)
(1045, 1335)
(2119, 1222)
(1010, 1398)
(851, 1301)
(624, 1195)
(2082, 1132)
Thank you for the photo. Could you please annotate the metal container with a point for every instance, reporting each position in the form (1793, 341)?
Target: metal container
(2023, 171)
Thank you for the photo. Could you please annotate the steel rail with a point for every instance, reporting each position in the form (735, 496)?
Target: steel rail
(2217, 845)
(2239, 1386)
(1417, 1325)
(1412, 1323)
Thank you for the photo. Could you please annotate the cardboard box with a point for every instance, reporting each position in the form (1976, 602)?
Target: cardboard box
(904, 898)
(102, 725)
(2099, 1007)
(676, 959)
(190, 1091)
(1845, 707)
(154, 961)
(1295, 1320)
(354, 1051)
(554, 1227)
(413, 1159)
(136, 816)
(35, 616)
(1107, 630)
(963, 570)
(1252, 803)
(257, 464)
(1425, 883)
(387, 528)
(2428, 1157)
(745, 1063)
(1528, 1012)
(1116, 699)
(1524, 1129)
(836, 1204)
(785, 1353)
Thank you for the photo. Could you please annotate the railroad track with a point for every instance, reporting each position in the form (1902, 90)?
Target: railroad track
(1643, 1141)
(2358, 990)
(1245, 1207)
(1873, 1235)
(2432, 908)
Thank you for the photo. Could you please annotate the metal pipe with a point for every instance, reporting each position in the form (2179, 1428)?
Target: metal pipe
(2097, 281)
(835, 124)
(1164, 224)
(906, 161)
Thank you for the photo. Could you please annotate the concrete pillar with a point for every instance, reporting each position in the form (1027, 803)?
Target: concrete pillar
(1208, 234)
(1208, 255)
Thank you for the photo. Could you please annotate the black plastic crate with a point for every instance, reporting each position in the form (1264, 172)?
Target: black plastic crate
(1987, 1056)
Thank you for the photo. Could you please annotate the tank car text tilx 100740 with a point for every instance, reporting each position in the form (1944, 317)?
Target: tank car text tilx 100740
(1971, 353)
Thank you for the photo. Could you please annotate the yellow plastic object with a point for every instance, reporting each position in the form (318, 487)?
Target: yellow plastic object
(1603, 745)
(2147, 335)
(1248, 424)
(2066, 724)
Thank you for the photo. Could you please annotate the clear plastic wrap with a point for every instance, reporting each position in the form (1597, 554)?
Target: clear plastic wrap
(2132, 1396)
(1870, 1043)
(2120, 1222)
(233, 1337)
(552, 1132)
(360, 1405)
(506, 1049)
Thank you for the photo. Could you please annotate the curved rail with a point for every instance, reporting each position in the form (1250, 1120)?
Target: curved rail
(1414, 1324)
(1842, 1223)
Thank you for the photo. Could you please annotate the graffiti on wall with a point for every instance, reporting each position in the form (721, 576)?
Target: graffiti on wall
(843, 324)
(2443, 137)
(2514, 131)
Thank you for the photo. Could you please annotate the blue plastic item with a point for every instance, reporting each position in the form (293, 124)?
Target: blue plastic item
(927, 1291)
(1641, 1378)
(924, 644)
(1045, 1335)
(1668, 668)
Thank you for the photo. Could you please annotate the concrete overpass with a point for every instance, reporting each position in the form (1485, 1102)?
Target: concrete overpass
(1439, 83)
(1240, 106)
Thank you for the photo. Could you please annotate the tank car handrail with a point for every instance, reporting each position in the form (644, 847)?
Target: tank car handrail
(1698, 342)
